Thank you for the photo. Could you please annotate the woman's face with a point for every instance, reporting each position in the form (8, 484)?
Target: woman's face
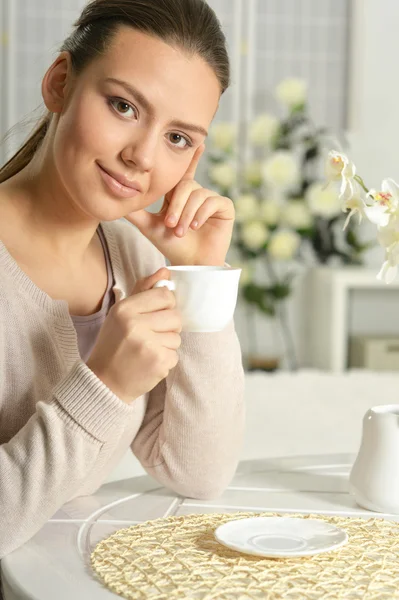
(136, 114)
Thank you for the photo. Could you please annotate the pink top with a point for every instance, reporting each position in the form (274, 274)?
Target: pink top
(88, 327)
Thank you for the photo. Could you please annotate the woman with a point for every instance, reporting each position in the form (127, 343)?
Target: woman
(92, 357)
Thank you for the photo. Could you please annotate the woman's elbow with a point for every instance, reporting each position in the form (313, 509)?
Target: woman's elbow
(202, 488)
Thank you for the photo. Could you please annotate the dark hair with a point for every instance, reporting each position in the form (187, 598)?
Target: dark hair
(188, 24)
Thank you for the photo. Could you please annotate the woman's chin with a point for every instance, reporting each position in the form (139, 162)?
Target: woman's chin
(107, 209)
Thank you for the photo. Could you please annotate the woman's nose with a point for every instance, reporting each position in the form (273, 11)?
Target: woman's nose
(141, 151)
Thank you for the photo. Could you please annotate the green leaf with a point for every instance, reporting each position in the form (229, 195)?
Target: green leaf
(280, 290)
(312, 152)
(306, 233)
(259, 296)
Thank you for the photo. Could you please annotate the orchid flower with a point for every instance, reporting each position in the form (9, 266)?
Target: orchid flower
(355, 204)
(380, 207)
(388, 238)
(340, 167)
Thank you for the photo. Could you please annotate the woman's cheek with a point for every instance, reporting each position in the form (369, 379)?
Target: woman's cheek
(101, 133)
(90, 124)
(171, 176)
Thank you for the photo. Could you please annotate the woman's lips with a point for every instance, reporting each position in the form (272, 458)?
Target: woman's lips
(116, 187)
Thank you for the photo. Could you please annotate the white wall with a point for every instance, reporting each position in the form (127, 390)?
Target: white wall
(373, 115)
(373, 128)
(374, 89)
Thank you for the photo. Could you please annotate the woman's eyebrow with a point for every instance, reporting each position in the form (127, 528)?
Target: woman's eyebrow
(183, 125)
(150, 108)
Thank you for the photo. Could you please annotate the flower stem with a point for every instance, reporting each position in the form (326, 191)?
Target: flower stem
(251, 329)
(361, 182)
(282, 316)
(285, 329)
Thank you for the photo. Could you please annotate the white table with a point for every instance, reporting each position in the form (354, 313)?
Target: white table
(55, 562)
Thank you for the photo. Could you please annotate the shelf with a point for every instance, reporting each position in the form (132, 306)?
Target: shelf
(328, 311)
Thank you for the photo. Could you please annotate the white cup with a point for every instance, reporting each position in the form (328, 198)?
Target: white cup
(205, 296)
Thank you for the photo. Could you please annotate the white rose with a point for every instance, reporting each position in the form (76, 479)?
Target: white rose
(246, 273)
(253, 173)
(223, 135)
(246, 207)
(263, 129)
(296, 214)
(322, 201)
(281, 170)
(223, 174)
(269, 212)
(292, 92)
(284, 244)
(254, 235)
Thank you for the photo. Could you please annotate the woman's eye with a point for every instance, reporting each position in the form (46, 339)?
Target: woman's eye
(179, 141)
(123, 108)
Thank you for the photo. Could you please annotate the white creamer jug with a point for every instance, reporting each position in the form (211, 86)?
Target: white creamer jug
(374, 479)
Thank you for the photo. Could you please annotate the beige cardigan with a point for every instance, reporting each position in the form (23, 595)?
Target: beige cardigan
(62, 430)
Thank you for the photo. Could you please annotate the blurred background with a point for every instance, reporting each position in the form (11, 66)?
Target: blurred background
(307, 76)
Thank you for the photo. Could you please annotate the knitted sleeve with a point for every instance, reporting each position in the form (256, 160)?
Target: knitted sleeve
(192, 431)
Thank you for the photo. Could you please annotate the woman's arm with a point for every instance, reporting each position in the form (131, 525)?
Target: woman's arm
(47, 461)
(192, 431)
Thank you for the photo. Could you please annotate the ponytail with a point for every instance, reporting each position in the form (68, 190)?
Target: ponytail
(25, 154)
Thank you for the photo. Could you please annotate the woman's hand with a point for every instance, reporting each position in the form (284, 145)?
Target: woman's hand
(194, 226)
(137, 344)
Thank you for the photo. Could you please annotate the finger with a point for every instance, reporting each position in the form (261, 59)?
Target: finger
(195, 201)
(170, 340)
(190, 173)
(165, 206)
(178, 200)
(163, 321)
(214, 206)
(148, 301)
(147, 283)
(171, 358)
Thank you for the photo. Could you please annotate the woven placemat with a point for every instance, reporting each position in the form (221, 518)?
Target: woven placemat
(179, 558)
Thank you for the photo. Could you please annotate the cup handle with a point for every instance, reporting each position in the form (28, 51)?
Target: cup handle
(165, 283)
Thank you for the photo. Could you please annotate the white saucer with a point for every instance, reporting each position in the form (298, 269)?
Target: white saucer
(280, 536)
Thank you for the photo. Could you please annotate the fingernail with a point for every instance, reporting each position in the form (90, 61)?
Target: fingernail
(171, 219)
(179, 230)
(194, 224)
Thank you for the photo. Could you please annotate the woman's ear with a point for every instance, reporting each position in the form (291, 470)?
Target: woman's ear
(56, 82)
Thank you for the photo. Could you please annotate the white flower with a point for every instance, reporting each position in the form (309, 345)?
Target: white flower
(254, 235)
(377, 213)
(355, 204)
(385, 203)
(283, 244)
(296, 214)
(223, 135)
(263, 129)
(281, 170)
(389, 269)
(269, 212)
(223, 174)
(338, 166)
(253, 173)
(246, 208)
(388, 237)
(322, 201)
(379, 207)
(292, 92)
